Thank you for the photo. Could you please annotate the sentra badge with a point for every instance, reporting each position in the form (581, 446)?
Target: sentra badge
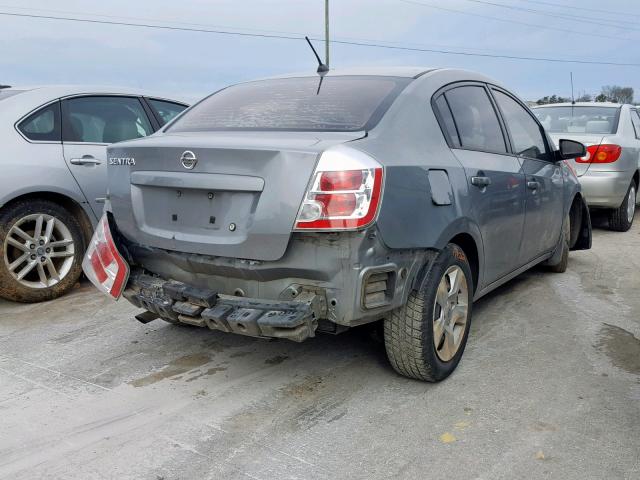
(122, 161)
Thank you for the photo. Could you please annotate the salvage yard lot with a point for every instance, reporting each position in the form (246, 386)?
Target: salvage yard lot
(549, 387)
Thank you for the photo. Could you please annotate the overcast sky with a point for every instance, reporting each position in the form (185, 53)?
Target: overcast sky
(188, 65)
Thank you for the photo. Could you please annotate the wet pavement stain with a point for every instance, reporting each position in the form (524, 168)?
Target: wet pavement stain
(176, 367)
(621, 346)
(210, 371)
(278, 359)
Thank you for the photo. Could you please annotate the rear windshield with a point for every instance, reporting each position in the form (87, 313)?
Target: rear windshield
(9, 93)
(579, 119)
(348, 103)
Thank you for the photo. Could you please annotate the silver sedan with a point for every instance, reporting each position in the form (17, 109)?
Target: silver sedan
(54, 175)
(609, 173)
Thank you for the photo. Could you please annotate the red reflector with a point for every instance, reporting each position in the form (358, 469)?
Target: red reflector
(601, 154)
(343, 180)
(106, 257)
(337, 204)
(98, 269)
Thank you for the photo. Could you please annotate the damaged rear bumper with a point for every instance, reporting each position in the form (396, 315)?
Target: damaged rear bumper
(178, 302)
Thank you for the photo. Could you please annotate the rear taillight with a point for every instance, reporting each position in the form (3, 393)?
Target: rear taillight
(103, 264)
(601, 154)
(344, 193)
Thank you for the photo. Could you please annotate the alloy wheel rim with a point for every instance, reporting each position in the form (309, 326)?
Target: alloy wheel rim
(631, 204)
(39, 250)
(450, 313)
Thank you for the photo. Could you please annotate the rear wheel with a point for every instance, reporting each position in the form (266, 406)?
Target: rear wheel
(42, 248)
(621, 218)
(425, 338)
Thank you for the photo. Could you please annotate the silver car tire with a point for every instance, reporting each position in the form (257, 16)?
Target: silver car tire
(621, 219)
(42, 248)
(563, 261)
(425, 339)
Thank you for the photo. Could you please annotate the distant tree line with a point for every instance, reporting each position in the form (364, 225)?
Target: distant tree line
(608, 93)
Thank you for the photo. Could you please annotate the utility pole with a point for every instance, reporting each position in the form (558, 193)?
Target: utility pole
(326, 32)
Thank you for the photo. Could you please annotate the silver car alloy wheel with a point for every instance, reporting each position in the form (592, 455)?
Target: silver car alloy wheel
(450, 313)
(39, 250)
(631, 203)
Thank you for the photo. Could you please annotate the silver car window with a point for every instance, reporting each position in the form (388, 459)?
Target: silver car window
(526, 135)
(107, 119)
(446, 121)
(476, 119)
(167, 111)
(579, 119)
(43, 125)
(635, 119)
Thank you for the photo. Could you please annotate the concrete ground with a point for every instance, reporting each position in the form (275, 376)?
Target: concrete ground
(549, 387)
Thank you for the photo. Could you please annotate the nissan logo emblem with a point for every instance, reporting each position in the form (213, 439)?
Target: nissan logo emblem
(188, 160)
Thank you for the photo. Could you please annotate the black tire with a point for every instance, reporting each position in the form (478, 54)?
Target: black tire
(408, 331)
(10, 287)
(618, 218)
(561, 266)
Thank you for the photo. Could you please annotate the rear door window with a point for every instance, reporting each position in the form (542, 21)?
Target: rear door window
(106, 119)
(43, 125)
(165, 111)
(446, 120)
(635, 119)
(476, 119)
(526, 134)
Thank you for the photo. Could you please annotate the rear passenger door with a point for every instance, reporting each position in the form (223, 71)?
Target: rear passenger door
(544, 180)
(89, 124)
(496, 183)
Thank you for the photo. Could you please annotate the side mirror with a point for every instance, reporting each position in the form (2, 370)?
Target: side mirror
(571, 149)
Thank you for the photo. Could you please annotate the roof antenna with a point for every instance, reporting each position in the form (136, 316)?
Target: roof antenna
(322, 68)
(573, 100)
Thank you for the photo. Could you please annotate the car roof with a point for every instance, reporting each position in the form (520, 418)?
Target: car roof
(382, 71)
(581, 104)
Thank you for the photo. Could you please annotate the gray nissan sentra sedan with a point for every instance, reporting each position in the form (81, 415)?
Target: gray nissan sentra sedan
(610, 171)
(287, 206)
(53, 142)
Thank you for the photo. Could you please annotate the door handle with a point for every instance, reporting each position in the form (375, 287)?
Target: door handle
(480, 182)
(85, 160)
(533, 185)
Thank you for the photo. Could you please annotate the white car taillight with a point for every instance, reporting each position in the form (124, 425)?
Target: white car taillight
(344, 193)
(103, 264)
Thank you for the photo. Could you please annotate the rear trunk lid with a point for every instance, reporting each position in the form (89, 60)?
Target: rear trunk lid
(239, 199)
(586, 139)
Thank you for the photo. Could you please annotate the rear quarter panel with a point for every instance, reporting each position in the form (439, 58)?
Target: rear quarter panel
(409, 143)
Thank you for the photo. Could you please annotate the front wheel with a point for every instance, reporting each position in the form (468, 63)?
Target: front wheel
(560, 266)
(621, 218)
(42, 248)
(425, 338)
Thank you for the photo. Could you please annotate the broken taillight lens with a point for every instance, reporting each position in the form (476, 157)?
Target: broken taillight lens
(344, 193)
(103, 265)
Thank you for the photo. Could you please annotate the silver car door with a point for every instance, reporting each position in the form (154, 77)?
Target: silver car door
(544, 195)
(90, 123)
(496, 183)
